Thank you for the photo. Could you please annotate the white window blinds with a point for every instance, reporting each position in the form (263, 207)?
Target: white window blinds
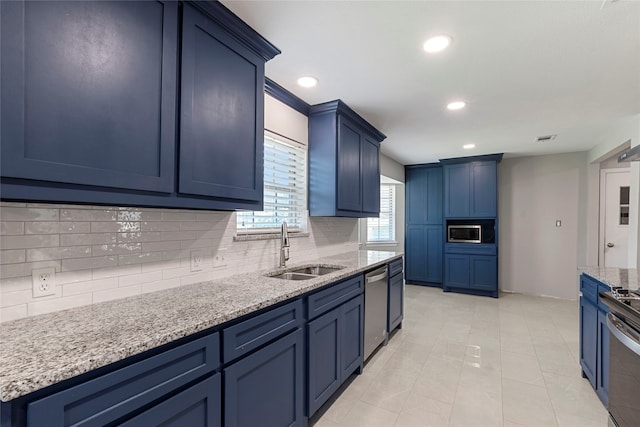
(285, 188)
(383, 229)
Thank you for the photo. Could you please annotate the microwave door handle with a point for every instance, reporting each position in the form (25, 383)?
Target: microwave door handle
(623, 333)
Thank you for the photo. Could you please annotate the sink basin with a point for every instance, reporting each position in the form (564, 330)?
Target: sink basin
(305, 273)
(316, 270)
(294, 276)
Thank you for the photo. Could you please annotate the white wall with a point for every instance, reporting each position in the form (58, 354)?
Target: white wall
(536, 257)
(102, 253)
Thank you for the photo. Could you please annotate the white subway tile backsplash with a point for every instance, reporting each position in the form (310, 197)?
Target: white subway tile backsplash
(89, 286)
(91, 262)
(104, 253)
(57, 304)
(100, 214)
(142, 258)
(28, 214)
(11, 228)
(101, 273)
(29, 241)
(136, 279)
(111, 294)
(13, 313)
(12, 256)
(88, 239)
(160, 226)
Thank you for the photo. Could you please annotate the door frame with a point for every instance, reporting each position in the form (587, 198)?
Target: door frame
(602, 209)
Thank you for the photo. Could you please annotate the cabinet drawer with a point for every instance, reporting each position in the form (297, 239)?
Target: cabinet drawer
(325, 300)
(603, 288)
(589, 288)
(471, 248)
(395, 267)
(112, 396)
(252, 333)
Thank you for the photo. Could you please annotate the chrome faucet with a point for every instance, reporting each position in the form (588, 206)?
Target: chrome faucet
(284, 244)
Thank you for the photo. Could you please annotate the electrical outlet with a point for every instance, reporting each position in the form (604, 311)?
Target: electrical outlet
(43, 282)
(219, 259)
(197, 260)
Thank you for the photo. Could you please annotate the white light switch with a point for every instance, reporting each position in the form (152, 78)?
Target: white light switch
(558, 223)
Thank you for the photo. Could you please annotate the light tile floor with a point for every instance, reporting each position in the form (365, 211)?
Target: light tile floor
(473, 361)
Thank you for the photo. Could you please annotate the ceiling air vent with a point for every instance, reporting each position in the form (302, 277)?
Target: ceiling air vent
(546, 138)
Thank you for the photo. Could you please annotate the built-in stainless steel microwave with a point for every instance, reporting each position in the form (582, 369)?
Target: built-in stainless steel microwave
(464, 233)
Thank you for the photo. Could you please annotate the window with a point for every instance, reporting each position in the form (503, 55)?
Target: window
(285, 188)
(383, 229)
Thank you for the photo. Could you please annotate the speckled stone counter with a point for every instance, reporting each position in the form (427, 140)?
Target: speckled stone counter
(39, 351)
(627, 278)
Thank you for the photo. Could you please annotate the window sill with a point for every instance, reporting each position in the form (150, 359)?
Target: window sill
(386, 243)
(266, 236)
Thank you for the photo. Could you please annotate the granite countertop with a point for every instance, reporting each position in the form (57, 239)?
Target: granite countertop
(627, 278)
(43, 350)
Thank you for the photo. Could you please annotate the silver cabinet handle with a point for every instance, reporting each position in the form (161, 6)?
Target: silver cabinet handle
(610, 245)
(623, 333)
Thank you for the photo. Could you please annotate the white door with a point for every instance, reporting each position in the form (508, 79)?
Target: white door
(614, 217)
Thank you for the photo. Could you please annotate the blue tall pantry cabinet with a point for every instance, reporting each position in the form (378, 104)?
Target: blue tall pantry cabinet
(424, 227)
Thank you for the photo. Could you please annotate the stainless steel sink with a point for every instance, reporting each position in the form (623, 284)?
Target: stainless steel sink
(294, 276)
(316, 270)
(305, 273)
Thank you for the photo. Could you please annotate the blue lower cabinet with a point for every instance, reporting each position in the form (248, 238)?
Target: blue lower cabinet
(120, 394)
(335, 350)
(266, 387)
(324, 358)
(197, 406)
(456, 270)
(588, 339)
(396, 294)
(477, 274)
(423, 245)
(602, 372)
(484, 272)
(352, 316)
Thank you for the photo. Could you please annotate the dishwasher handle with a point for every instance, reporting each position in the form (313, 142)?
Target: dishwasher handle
(370, 279)
(623, 333)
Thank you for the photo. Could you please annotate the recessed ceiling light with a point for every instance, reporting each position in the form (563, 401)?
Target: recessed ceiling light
(437, 43)
(456, 105)
(469, 146)
(307, 81)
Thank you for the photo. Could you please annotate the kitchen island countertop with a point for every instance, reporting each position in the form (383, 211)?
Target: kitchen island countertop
(43, 350)
(627, 278)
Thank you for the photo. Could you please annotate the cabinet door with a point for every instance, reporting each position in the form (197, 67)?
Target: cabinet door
(456, 190)
(484, 272)
(423, 191)
(370, 176)
(396, 302)
(222, 122)
(89, 92)
(588, 339)
(424, 253)
(197, 406)
(324, 358)
(349, 167)
(351, 339)
(456, 271)
(265, 388)
(602, 371)
(484, 182)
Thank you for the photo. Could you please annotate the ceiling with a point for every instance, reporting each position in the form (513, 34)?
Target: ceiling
(525, 68)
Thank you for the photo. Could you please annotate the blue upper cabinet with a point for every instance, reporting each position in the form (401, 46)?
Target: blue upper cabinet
(471, 187)
(92, 96)
(221, 113)
(89, 93)
(344, 162)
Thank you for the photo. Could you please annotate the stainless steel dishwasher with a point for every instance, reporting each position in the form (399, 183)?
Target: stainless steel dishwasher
(375, 310)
